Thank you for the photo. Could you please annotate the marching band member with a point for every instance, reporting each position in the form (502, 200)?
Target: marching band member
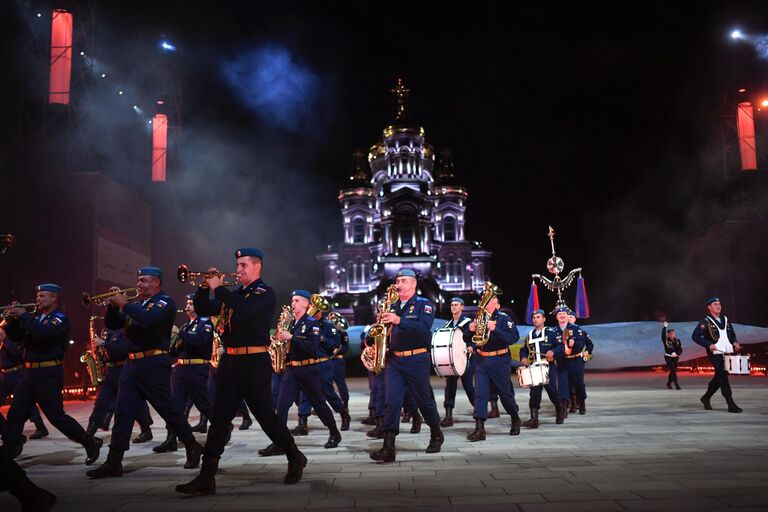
(245, 370)
(571, 363)
(461, 321)
(550, 349)
(146, 374)
(673, 347)
(408, 365)
(44, 335)
(11, 366)
(492, 372)
(716, 327)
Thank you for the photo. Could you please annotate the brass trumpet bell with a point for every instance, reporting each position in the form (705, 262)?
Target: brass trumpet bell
(318, 303)
(197, 279)
(103, 299)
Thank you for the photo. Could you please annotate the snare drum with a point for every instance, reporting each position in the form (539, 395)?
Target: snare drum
(449, 352)
(736, 364)
(533, 375)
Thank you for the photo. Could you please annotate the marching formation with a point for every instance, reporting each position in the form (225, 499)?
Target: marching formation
(225, 362)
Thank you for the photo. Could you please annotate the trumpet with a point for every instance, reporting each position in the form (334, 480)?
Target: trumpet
(3, 309)
(198, 278)
(103, 299)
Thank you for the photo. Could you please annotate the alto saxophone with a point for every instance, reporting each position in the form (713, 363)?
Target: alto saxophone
(482, 334)
(215, 357)
(92, 356)
(373, 356)
(278, 349)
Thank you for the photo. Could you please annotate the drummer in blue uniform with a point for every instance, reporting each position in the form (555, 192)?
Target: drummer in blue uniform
(550, 349)
(189, 376)
(408, 364)
(571, 363)
(493, 369)
(44, 336)
(716, 327)
(460, 321)
(302, 372)
(147, 374)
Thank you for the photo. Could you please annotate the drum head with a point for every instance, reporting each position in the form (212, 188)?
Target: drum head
(459, 352)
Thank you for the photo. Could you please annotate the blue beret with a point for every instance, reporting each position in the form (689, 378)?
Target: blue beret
(190, 296)
(713, 299)
(151, 271)
(458, 299)
(48, 287)
(302, 293)
(249, 251)
(670, 328)
(538, 312)
(406, 272)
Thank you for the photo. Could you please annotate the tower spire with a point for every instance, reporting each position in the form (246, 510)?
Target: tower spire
(400, 100)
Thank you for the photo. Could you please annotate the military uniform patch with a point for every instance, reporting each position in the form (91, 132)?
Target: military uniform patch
(161, 303)
(412, 308)
(509, 325)
(428, 309)
(150, 305)
(303, 328)
(315, 331)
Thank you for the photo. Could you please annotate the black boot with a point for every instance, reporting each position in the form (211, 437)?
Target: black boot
(92, 447)
(388, 452)
(247, 422)
(194, 451)
(296, 463)
(92, 427)
(205, 481)
(405, 417)
(534, 421)
(377, 432)
(106, 421)
(345, 419)
(494, 410)
(564, 406)
(705, 400)
(416, 423)
(732, 407)
(202, 425)
(187, 409)
(677, 385)
(479, 433)
(515, 429)
(371, 419)
(301, 429)
(230, 429)
(40, 430)
(436, 440)
(669, 384)
(144, 436)
(572, 405)
(448, 420)
(559, 414)
(31, 497)
(169, 445)
(333, 439)
(271, 450)
(582, 407)
(112, 467)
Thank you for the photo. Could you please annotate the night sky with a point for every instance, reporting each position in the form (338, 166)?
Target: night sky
(604, 123)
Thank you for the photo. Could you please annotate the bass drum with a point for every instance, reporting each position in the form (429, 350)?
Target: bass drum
(449, 352)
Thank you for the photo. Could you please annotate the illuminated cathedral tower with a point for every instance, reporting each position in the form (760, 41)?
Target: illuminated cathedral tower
(402, 209)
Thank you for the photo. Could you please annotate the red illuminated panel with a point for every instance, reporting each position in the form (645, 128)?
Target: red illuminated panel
(159, 146)
(745, 123)
(61, 57)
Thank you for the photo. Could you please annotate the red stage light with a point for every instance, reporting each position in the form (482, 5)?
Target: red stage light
(764, 103)
(61, 57)
(159, 146)
(745, 123)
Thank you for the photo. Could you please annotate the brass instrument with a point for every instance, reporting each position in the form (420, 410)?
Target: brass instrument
(7, 241)
(176, 341)
(3, 309)
(103, 299)
(198, 278)
(278, 349)
(92, 356)
(373, 356)
(318, 303)
(215, 357)
(482, 334)
(338, 321)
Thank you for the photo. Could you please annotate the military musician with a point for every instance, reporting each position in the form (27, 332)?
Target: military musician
(673, 348)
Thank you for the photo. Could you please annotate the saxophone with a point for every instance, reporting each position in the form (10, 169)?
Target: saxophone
(92, 356)
(215, 357)
(278, 349)
(373, 356)
(482, 334)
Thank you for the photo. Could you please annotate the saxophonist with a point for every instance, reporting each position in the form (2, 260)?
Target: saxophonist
(303, 373)
(44, 334)
(493, 368)
(245, 316)
(408, 365)
(189, 376)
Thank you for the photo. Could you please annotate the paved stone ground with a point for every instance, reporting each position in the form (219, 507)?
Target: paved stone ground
(640, 447)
